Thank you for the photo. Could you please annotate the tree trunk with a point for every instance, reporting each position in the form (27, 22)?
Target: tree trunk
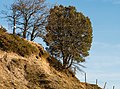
(25, 27)
(24, 33)
(14, 23)
(32, 34)
(14, 30)
(70, 64)
(64, 63)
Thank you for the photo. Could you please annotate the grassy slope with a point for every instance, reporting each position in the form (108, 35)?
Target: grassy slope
(13, 43)
(23, 65)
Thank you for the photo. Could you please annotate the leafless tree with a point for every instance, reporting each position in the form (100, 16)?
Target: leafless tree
(29, 16)
(11, 15)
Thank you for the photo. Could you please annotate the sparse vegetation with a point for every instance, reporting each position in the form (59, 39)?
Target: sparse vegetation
(13, 43)
(2, 29)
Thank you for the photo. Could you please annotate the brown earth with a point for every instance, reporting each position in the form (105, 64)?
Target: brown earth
(35, 71)
(17, 72)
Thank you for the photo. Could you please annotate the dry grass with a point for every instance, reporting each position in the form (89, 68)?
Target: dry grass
(13, 43)
(34, 71)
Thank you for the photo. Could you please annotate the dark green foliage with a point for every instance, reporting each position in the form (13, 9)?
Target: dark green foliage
(69, 35)
(54, 63)
(14, 43)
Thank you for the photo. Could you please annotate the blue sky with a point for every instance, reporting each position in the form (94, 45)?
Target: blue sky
(104, 60)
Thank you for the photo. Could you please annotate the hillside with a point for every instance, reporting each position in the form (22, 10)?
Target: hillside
(25, 65)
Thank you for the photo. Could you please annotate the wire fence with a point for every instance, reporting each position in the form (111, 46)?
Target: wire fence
(96, 82)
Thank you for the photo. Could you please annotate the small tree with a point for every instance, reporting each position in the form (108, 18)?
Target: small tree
(69, 35)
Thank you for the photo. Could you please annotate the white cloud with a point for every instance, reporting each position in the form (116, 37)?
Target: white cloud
(104, 54)
(106, 44)
(106, 47)
(103, 64)
(110, 1)
(113, 1)
(110, 78)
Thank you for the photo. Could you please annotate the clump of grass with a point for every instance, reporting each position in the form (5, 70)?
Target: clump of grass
(2, 29)
(13, 43)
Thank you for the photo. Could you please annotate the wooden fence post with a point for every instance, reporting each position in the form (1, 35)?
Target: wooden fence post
(96, 82)
(113, 87)
(85, 78)
(104, 85)
(85, 81)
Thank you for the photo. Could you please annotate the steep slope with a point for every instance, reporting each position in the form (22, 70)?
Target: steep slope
(30, 68)
(31, 73)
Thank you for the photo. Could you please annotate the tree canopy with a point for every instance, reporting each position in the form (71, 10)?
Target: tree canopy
(69, 35)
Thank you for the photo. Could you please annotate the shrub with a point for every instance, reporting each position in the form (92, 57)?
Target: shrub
(2, 29)
(13, 43)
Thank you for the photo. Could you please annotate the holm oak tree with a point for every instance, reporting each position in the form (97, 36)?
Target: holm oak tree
(69, 35)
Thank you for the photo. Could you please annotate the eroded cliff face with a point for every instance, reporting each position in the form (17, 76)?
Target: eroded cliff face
(17, 72)
(25, 65)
